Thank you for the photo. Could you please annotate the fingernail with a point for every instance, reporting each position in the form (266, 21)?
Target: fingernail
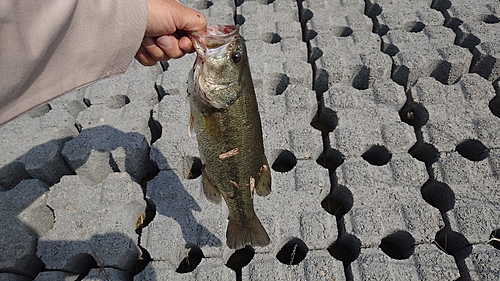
(164, 41)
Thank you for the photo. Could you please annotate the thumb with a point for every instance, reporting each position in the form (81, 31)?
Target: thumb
(169, 16)
(190, 20)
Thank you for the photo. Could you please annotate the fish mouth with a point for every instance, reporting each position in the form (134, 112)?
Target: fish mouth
(214, 43)
(216, 38)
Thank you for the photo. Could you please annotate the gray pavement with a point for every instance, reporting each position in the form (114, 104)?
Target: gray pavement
(381, 121)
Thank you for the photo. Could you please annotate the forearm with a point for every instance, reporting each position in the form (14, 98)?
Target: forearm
(51, 47)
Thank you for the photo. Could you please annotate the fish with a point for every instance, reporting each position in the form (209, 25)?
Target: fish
(226, 121)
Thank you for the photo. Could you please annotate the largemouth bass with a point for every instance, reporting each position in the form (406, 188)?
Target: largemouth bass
(225, 118)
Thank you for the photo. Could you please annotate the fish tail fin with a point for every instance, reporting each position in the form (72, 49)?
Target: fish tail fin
(239, 235)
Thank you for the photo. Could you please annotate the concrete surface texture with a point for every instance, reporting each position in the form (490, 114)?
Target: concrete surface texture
(381, 123)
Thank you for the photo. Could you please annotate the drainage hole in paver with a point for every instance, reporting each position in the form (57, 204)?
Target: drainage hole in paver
(310, 34)
(192, 259)
(494, 106)
(155, 128)
(40, 110)
(398, 245)
(192, 167)
(330, 160)
(495, 238)
(414, 114)
(142, 262)
(265, 2)
(438, 194)
(240, 258)
(293, 252)
(473, 150)
(271, 38)
(361, 79)
(160, 92)
(117, 101)
(377, 155)
(316, 53)
(87, 102)
(491, 19)
(285, 161)
(239, 19)
(306, 16)
(341, 31)
(390, 49)
(338, 202)
(424, 152)
(278, 83)
(202, 5)
(325, 120)
(441, 72)
(453, 243)
(321, 82)
(346, 248)
(164, 65)
(414, 26)
(372, 9)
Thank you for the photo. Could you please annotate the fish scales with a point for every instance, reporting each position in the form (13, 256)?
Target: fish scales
(225, 118)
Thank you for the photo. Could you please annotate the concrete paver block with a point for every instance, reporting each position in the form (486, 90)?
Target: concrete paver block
(285, 23)
(23, 212)
(337, 18)
(457, 12)
(94, 224)
(57, 275)
(395, 15)
(39, 148)
(353, 60)
(97, 151)
(107, 274)
(469, 97)
(429, 52)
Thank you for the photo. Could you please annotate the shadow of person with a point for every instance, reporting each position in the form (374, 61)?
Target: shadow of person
(173, 200)
(79, 257)
(94, 154)
(101, 150)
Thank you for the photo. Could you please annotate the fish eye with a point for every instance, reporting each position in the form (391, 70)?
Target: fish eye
(236, 57)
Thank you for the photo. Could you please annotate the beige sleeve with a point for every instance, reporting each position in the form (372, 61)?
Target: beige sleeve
(51, 47)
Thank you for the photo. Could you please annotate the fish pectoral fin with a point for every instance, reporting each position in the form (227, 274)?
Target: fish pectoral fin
(252, 232)
(209, 189)
(263, 187)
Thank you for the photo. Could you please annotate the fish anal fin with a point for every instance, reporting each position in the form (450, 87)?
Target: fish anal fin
(263, 187)
(252, 232)
(209, 189)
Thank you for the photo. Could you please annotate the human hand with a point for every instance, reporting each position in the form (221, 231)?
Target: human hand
(169, 22)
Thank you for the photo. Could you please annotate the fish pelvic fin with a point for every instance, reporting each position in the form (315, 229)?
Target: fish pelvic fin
(211, 192)
(263, 187)
(239, 235)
